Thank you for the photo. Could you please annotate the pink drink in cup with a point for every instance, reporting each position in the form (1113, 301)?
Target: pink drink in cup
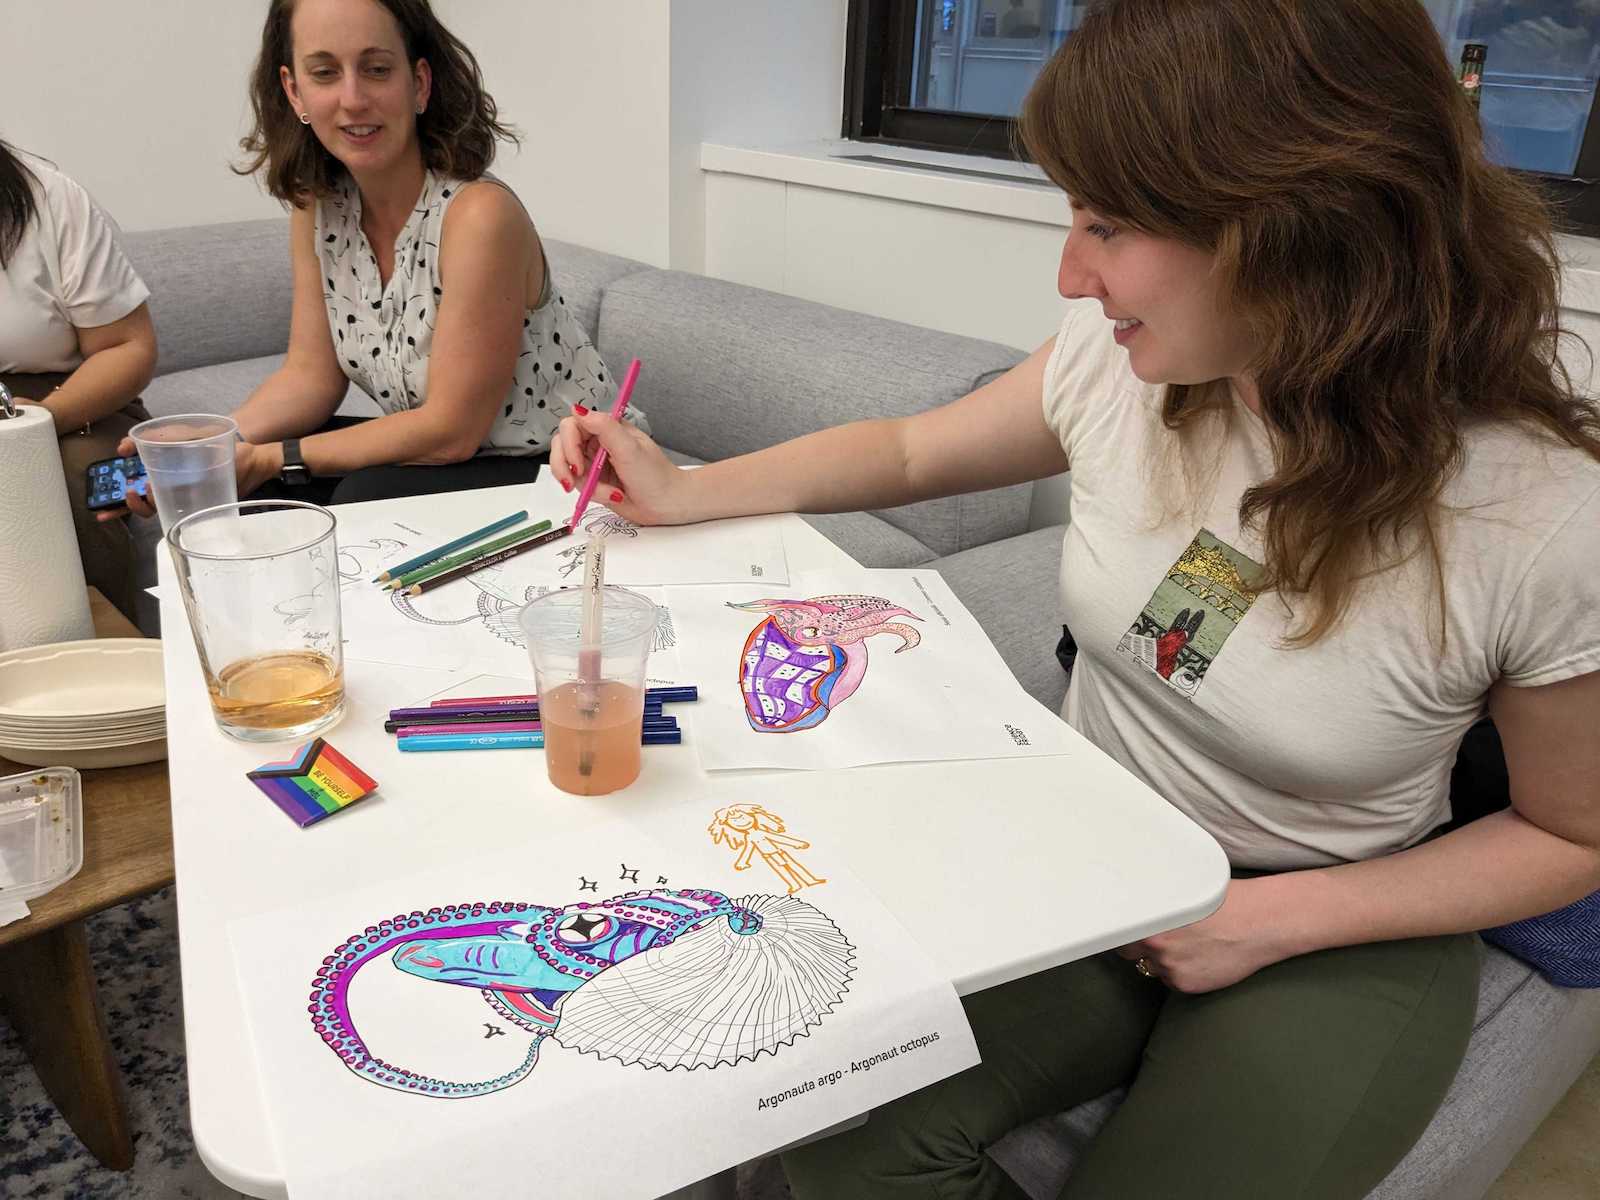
(591, 703)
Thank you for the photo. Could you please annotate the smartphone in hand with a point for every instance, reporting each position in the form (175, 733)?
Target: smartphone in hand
(111, 479)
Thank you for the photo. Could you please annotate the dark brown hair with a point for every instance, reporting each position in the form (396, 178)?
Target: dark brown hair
(17, 201)
(457, 133)
(1400, 286)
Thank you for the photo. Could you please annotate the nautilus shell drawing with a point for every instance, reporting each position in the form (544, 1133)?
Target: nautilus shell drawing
(683, 978)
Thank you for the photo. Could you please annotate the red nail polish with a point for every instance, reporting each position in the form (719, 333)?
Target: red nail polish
(580, 410)
(615, 496)
(573, 467)
(565, 486)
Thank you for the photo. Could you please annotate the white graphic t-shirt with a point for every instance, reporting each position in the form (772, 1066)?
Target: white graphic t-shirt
(1340, 750)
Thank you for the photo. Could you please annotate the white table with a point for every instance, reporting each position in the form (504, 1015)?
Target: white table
(999, 868)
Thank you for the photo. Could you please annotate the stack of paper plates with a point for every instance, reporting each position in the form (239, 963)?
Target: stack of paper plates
(97, 703)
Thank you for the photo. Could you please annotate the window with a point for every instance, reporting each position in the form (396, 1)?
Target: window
(951, 75)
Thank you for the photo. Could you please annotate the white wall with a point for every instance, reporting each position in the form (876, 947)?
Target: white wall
(740, 72)
(143, 104)
(586, 83)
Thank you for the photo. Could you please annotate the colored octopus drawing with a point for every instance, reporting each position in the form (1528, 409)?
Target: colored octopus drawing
(660, 978)
(809, 656)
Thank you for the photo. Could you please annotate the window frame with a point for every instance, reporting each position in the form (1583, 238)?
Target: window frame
(879, 81)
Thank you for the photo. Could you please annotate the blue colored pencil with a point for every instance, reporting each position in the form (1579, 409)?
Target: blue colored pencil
(412, 564)
(514, 741)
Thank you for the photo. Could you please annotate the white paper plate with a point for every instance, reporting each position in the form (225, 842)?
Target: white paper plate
(114, 756)
(82, 680)
(33, 734)
(80, 741)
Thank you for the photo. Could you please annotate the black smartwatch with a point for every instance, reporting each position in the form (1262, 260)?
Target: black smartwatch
(295, 473)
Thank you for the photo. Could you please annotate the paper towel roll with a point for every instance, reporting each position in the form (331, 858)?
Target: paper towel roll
(42, 593)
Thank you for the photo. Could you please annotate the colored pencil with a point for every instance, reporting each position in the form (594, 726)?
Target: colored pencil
(506, 712)
(479, 564)
(666, 694)
(586, 493)
(439, 566)
(474, 728)
(515, 741)
(411, 564)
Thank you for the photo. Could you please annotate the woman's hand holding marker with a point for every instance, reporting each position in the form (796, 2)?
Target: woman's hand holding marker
(638, 483)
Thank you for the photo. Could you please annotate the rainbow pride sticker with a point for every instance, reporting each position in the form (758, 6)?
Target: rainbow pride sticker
(316, 782)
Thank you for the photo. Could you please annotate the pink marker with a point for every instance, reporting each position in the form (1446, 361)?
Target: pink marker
(586, 493)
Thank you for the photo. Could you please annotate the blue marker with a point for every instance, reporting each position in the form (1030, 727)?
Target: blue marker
(515, 741)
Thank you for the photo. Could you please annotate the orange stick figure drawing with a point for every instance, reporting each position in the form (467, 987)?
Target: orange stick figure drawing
(753, 830)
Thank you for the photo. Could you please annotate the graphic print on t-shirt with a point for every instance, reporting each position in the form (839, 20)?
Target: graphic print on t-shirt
(1204, 596)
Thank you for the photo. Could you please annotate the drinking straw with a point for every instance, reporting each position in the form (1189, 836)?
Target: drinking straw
(472, 566)
(439, 566)
(412, 564)
(586, 492)
(594, 578)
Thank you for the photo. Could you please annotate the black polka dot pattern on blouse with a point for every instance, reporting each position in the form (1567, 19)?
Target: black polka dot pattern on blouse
(386, 333)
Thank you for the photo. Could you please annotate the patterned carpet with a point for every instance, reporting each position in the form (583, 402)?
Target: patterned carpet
(135, 949)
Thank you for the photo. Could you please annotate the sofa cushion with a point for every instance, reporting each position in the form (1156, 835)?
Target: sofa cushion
(730, 369)
(1011, 587)
(581, 275)
(223, 387)
(1530, 1040)
(217, 292)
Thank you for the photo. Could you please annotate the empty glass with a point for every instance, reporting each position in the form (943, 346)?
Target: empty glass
(189, 461)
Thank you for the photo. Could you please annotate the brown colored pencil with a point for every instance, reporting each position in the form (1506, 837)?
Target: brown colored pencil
(488, 560)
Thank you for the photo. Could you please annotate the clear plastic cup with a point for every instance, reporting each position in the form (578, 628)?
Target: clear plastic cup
(591, 706)
(260, 584)
(189, 461)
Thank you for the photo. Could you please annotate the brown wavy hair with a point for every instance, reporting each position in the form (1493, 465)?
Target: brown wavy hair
(457, 133)
(1400, 286)
(18, 205)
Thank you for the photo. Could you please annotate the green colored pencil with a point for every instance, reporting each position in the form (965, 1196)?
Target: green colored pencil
(466, 556)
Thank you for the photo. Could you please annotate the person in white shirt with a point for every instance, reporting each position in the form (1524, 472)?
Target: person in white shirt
(76, 337)
(1333, 499)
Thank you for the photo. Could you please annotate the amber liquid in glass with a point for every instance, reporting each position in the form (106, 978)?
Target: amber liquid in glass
(277, 691)
(591, 736)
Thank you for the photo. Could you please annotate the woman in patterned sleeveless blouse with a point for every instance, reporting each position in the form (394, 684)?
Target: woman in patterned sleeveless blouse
(417, 276)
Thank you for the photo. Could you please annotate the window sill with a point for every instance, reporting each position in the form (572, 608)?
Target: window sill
(996, 187)
(999, 188)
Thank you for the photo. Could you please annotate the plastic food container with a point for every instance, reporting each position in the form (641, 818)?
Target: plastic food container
(41, 831)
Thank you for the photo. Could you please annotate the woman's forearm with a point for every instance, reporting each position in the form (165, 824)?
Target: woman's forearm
(404, 437)
(844, 469)
(1499, 869)
(104, 382)
(287, 404)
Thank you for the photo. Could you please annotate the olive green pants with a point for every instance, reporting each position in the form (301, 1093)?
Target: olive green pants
(1311, 1078)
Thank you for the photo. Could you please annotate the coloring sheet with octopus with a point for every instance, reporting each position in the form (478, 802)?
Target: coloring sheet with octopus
(618, 1012)
(848, 667)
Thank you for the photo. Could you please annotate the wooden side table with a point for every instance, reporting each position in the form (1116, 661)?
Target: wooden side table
(47, 986)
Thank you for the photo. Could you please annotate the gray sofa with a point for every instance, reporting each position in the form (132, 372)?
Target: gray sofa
(731, 369)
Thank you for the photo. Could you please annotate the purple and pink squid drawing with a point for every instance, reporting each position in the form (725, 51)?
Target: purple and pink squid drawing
(809, 656)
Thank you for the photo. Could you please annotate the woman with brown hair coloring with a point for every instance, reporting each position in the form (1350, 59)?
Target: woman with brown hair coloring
(417, 276)
(1333, 498)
